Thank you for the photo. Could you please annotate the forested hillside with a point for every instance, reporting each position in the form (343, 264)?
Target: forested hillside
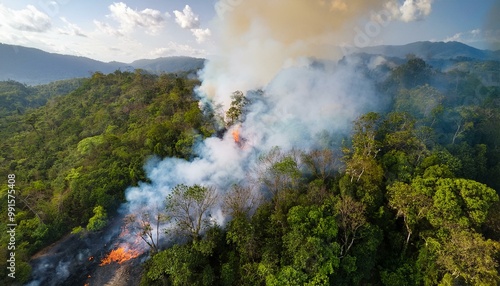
(414, 203)
(81, 151)
(16, 97)
(410, 197)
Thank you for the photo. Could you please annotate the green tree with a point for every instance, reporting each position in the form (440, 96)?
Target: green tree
(99, 220)
(363, 173)
(280, 173)
(460, 202)
(310, 246)
(236, 111)
(423, 102)
(467, 255)
(414, 72)
(412, 204)
(365, 147)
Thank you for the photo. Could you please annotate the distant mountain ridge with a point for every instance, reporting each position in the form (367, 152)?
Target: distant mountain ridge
(169, 64)
(432, 50)
(33, 66)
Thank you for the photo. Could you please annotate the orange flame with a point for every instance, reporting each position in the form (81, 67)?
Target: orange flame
(236, 135)
(119, 255)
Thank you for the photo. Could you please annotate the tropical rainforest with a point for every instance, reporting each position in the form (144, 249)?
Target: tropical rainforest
(410, 196)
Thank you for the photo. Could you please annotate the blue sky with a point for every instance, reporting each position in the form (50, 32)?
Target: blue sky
(131, 29)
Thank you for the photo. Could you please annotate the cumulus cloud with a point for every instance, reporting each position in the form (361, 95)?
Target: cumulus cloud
(187, 19)
(410, 10)
(71, 29)
(29, 19)
(201, 34)
(128, 19)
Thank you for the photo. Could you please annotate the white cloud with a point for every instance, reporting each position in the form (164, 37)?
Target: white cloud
(201, 34)
(410, 10)
(128, 19)
(29, 19)
(71, 29)
(176, 49)
(455, 38)
(187, 19)
(484, 38)
(107, 29)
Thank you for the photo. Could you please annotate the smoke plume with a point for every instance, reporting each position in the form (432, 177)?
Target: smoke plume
(273, 46)
(256, 39)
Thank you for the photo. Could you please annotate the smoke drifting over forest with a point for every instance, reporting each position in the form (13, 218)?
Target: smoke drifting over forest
(271, 46)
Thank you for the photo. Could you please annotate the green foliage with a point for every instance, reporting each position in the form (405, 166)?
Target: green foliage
(87, 145)
(16, 98)
(415, 72)
(468, 256)
(99, 220)
(235, 113)
(188, 264)
(413, 200)
(310, 243)
(77, 230)
(404, 275)
(424, 102)
(78, 144)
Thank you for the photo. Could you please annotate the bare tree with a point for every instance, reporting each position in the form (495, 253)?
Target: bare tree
(322, 162)
(351, 218)
(143, 227)
(240, 201)
(280, 172)
(189, 207)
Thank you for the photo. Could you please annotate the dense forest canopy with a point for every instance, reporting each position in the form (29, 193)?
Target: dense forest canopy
(409, 198)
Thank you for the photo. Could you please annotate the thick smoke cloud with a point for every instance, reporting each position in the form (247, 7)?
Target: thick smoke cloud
(271, 46)
(302, 107)
(256, 39)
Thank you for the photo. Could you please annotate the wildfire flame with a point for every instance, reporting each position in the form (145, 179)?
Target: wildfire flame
(119, 255)
(236, 135)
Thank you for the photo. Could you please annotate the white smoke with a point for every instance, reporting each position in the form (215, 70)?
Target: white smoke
(297, 108)
(304, 101)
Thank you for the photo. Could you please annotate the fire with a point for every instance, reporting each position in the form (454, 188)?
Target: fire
(236, 135)
(119, 255)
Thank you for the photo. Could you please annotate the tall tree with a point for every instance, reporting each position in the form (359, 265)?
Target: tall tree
(189, 207)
